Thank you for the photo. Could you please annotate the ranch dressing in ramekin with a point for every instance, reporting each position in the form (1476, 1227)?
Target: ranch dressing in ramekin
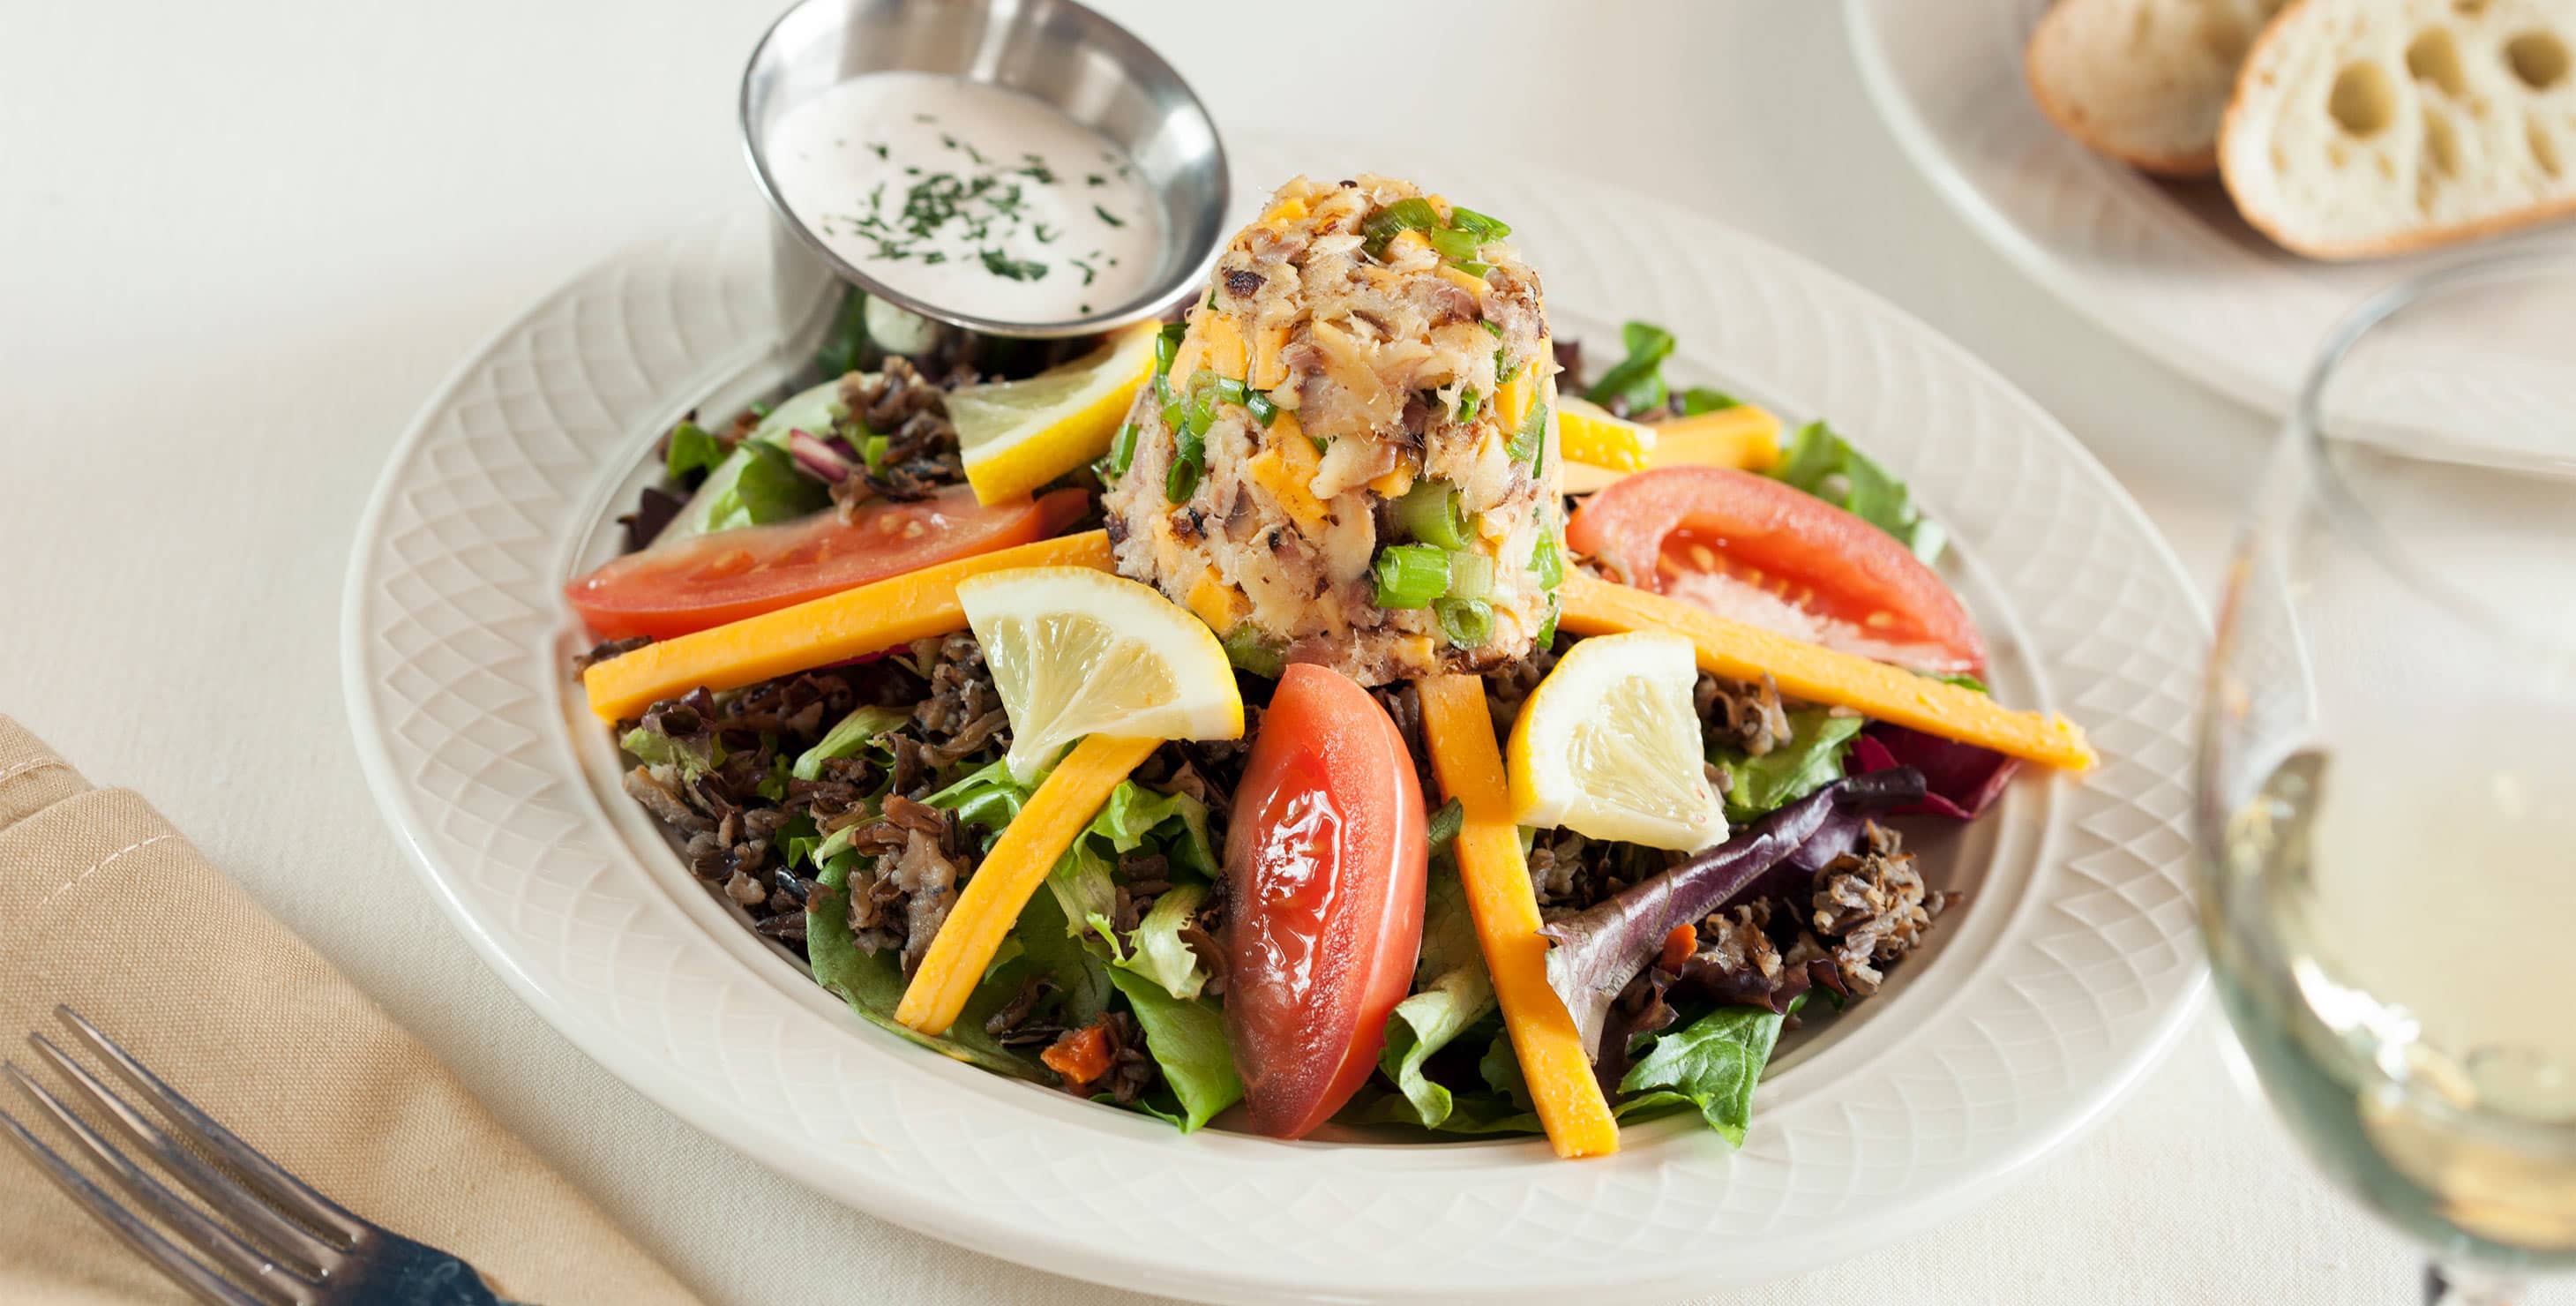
(972, 197)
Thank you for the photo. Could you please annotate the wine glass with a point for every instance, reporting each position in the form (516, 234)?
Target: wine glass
(2386, 800)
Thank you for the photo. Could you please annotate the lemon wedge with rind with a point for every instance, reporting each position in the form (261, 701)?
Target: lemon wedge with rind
(1018, 435)
(1609, 746)
(1077, 652)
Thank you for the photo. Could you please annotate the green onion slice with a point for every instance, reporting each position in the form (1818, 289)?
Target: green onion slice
(1467, 622)
(1547, 561)
(1433, 513)
(1412, 214)
(1122, 451)
(1528, 442)
(1249, 649)
(1471, 575)
(1411, 575)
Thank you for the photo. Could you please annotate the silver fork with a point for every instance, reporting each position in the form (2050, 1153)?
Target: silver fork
(287, 1245)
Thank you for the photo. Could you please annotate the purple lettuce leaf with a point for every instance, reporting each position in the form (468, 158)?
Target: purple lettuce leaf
(1597, 951)
(1960, 780)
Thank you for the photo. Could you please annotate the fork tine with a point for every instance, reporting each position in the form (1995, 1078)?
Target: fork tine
(221, 1191)
(298, 1198)
(183, 1269)
(225, 1246)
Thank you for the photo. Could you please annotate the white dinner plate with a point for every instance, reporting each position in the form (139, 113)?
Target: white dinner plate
(2167, 266)
(2069, 970)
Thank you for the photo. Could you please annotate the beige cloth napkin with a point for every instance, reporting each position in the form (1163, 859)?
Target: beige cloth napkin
(104, 906)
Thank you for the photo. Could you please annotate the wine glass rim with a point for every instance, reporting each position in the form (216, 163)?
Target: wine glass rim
(2344, 507)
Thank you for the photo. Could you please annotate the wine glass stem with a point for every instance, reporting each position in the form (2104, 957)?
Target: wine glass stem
(2462, 1285)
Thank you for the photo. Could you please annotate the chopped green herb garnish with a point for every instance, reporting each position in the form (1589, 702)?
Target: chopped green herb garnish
(1106, 216)
(1263, 411)
(1003, 265)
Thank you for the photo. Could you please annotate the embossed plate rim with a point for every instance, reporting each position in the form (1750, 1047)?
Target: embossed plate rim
(1215, 1216)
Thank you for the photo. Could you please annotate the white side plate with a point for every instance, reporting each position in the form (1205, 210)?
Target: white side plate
(2166, 266)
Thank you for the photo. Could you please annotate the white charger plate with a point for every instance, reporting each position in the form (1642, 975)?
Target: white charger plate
(2167, 266)
(2064, 978)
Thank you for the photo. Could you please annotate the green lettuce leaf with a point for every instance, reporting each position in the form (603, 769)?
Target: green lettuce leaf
(691, 449)
(766, 488)
(1052, 950)
(775, 487)
(1134, 814)
(986, 798)
(1452, 992)
(1159, 974)
(1156, 951)
(1638, 378)
(653, 748)
(1712, 1064)
(1186, 1037)
(856, 731)
(1824, 465)
(1812, 759)
(873, 983)
(1700, 399)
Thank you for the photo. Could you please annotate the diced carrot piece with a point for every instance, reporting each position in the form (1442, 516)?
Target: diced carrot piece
(1082, 1055)
(1678, 947)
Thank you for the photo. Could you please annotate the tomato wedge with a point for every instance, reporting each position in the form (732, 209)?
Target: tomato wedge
(707, 581)
(1324, 868)
(1752, 548)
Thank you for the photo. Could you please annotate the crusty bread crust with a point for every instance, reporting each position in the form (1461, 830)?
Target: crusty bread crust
(2035, 57)
(2260, 65)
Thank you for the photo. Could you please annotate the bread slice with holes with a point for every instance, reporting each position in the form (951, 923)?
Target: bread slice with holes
(2144, 81)
(2370, 127)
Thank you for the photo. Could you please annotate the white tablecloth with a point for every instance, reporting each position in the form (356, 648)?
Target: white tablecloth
(239, 243)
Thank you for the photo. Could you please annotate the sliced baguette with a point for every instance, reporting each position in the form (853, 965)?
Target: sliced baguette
(2144, 81)
(2370, 127)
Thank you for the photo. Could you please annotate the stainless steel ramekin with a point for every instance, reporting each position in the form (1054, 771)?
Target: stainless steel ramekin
(1057, 50)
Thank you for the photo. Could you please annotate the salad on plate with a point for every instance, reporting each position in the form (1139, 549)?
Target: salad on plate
(1341, 704)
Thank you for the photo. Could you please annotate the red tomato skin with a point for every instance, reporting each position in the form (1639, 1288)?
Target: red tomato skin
(1851, 570)
(713, 579)
(1325, 863)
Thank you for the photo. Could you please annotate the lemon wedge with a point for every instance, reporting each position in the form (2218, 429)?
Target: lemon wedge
(1078, 652)
(1019, 435)
(1609, 746)
(1587, 433)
